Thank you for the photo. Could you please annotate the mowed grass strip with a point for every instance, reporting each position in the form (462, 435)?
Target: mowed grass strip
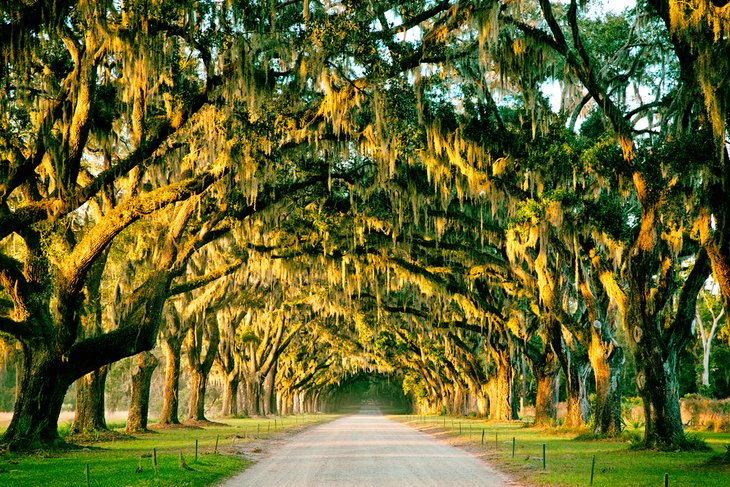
(568, 460)
(129, 461)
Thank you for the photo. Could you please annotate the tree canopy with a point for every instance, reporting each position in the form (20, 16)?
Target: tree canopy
(456, 193)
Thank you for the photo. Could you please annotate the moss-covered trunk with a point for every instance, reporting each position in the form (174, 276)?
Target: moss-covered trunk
(170, 399)
(578, 407)
(230, 396)
(90, 410)
(202, 348)
(607, 360)
(268, 397)
(44, 383)
(139, 404)
(546, 402)
(198, 385)
(656, 379)
(500, 388)
(252, 397)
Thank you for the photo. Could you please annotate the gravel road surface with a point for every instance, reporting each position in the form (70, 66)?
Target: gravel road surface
(367, 450)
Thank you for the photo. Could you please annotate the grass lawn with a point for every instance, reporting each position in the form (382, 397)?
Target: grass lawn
(129, 461)
(568, 461)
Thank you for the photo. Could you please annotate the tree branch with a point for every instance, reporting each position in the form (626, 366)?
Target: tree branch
(206, 279)
(77, 263)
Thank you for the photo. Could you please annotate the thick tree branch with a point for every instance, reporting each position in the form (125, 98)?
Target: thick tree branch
(206, 279)
(95, 241)
(16, 329)
(681, 326)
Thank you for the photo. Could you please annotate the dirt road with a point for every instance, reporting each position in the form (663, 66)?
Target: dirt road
(367, 450)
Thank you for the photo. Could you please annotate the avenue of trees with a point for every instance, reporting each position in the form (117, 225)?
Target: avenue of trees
(288, 196)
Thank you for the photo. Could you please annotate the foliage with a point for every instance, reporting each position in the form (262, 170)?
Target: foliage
(702, 413)
(392, 184)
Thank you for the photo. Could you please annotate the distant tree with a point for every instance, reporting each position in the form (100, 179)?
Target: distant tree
(709, 319)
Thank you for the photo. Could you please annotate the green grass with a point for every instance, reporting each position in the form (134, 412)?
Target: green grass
(114, 463)
(568, 461)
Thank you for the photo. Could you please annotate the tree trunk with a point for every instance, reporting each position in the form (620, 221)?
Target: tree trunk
(482, 402)
(523, 385)
(287, 404)
(269, 396)
(140, 401)
(307, 402)
(456, 400)
(43, 387)
(252, 396)
(198, 384)
(500, 388)
(656, 346)
(607, 360)
(170, 400)
(19, 367)
(230, 396)
(295, 404)
(90, 410)
(200, 365)
(706, 337)
(578, 406)
(546, 403)
(514, 394)
(576, 368)
(658, 386)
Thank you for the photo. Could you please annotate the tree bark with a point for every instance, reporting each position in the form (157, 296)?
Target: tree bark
(139, 403)
(170, 400)
(229, 362)
(198, 385)
(90, 410)
(200, 365)
(500, 388)
(35, 417)
(482, 403)
(607, 360)
(657, 345)
(578, 406)
(252, 396)
(515, 389)
(546, 401)
(656, 379)
(19, 360)
(287, 404)
(230, 396)
(269, 395)
(523, 385)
